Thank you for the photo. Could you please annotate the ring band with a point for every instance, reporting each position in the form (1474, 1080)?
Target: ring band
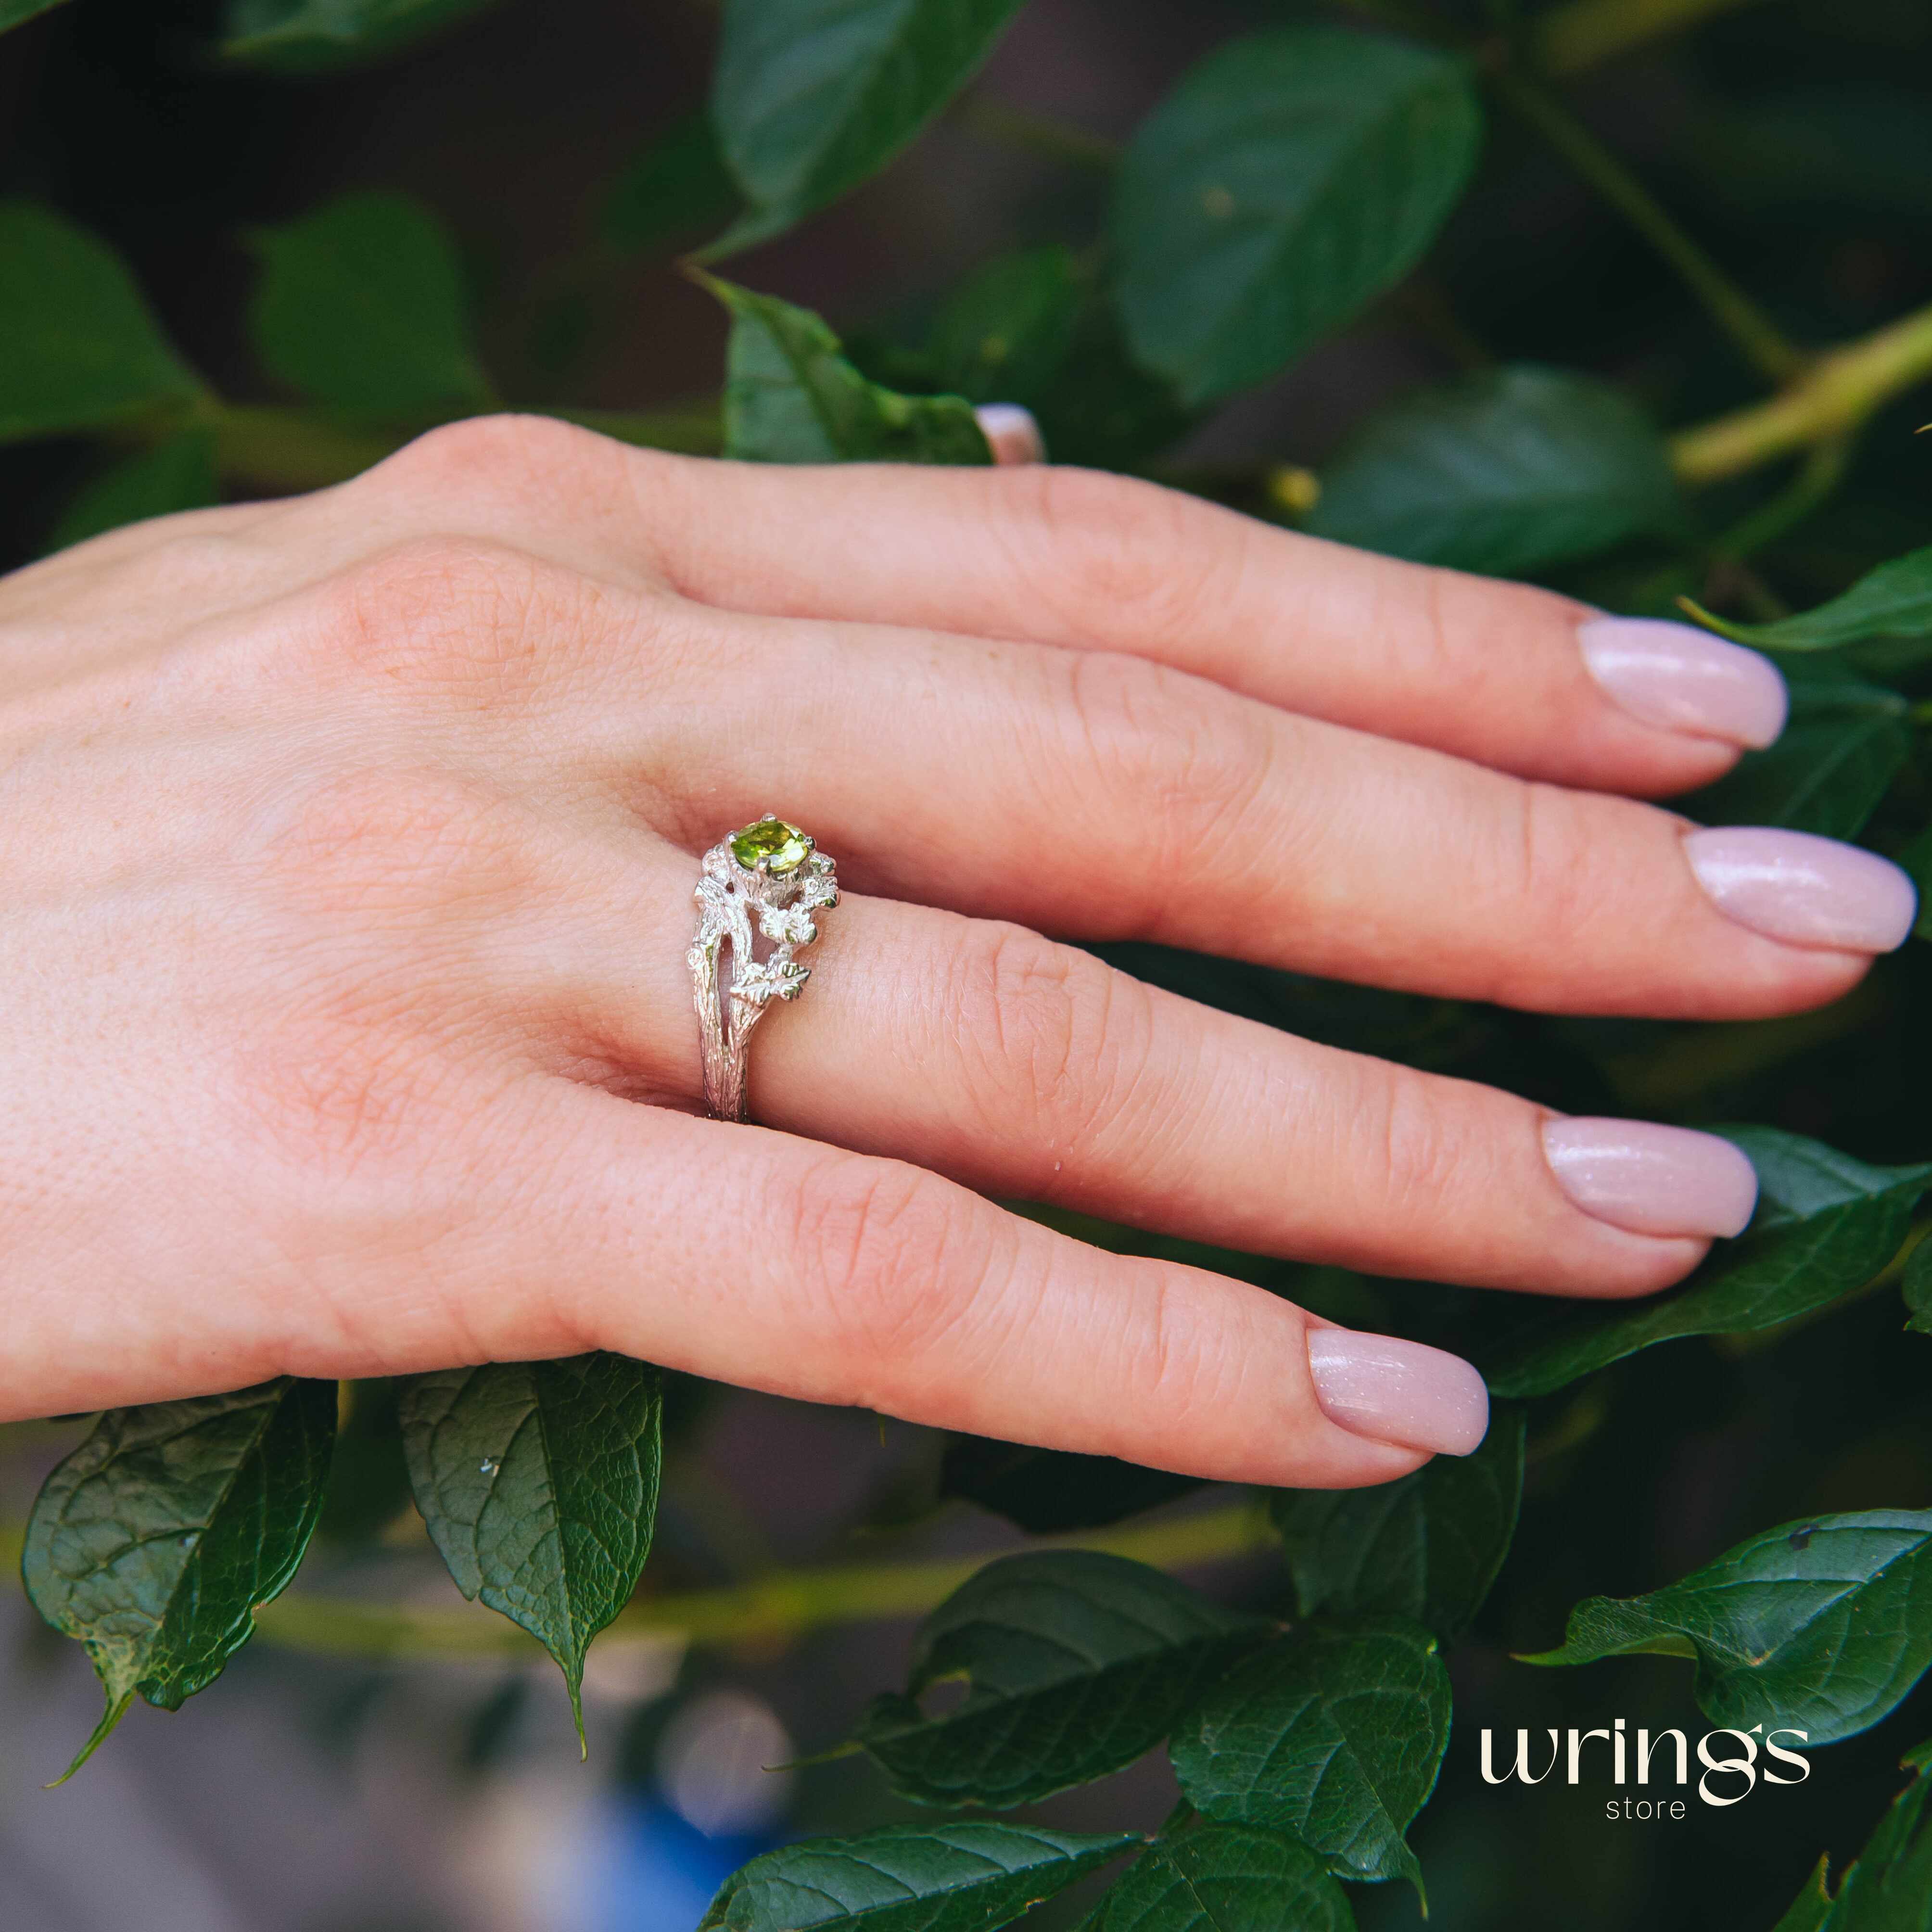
(763, 882)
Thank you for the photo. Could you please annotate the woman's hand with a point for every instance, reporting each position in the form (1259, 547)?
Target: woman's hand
(347, 882)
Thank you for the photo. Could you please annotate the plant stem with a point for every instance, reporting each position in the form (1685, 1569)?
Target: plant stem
(1757, 337)
(1569, 38)
(1818, 476)
(1835, 394)
(778, 1606)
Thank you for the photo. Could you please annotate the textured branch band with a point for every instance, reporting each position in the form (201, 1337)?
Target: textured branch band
(763, 883)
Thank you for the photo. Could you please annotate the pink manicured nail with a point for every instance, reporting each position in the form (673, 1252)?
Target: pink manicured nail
(1011, 430)
(1397, 1391)
(1686, 679)
(1805, 890)
(1651, 1179)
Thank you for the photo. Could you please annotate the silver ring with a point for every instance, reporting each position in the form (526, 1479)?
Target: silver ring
(762, 883)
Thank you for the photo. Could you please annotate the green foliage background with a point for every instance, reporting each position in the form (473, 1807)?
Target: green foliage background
(1693, 391)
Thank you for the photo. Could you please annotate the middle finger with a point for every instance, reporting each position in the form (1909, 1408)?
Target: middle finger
(1098, 796)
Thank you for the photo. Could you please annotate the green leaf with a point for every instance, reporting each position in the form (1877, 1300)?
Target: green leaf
(1036, 328)
(14, 12)
(1048, 1491)
(811, 96)
(1504, 472)
(1917, 1289)
(1917, 860)
(155, 1542)
(1845, 743)
(362, 305)
(1075, 1663)
(1334, 1736)
(1290, 178)
(1894, 601)
(1825, 1224)
(1819, 1626)
(1224, 1878)
(176, 475)
(1005, 335)
(322, 36)
(790, 397)
(79, 347)
(1425, 1547)
(1889, 1888)
(909, 1878)
(538, 1481)
(1809, 1910)
(678, 187)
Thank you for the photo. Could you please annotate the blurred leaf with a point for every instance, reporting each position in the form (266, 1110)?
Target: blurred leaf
(1889, 1888)
(1333, 1736)
(1425, 1547)
(1808, 1911)
(1504, 471)
(13, 12)
(1917, 1289)
(1034, 328)
(1834, 152)
(321, 36)
(1005, 335)
(1820, 1627)
(362, 305)
(154, 1542)
(1048, 1491)
(176, 475)
(1290, 178)
(1917, 860)
(538, 1481)
(1894, 601)
(1223, 1878)
(909, 1878)
(1825, 1224)
(811, 96)
(369, 1480)
(79, 345)
(1845, 743)
(678, 188)
(1075, 1663)
(790, 397)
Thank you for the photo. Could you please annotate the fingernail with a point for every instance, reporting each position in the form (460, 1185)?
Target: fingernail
(1686, 679)
(1805, 890)
(1011, 430)
(1651, 1179)
(1398, 1391)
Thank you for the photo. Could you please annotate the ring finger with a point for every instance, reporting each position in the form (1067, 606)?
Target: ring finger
(1028, 1069)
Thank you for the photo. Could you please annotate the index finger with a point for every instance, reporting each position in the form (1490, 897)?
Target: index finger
(1507, 674)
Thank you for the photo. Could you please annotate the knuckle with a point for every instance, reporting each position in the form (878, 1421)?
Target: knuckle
(1424, 1148)
(1187, 761)
(1094, 545)
(876, 1241)
(1546, 885)
(1050, 1033)
(457, 459)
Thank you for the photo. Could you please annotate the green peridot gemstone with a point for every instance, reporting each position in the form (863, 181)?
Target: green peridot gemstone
(783, 847)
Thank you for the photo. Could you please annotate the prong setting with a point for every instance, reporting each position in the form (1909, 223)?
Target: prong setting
(763, 882)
